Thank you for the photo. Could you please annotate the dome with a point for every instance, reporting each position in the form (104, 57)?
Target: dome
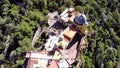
(79, 19)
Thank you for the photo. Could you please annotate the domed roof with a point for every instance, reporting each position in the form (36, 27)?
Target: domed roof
(79, 19)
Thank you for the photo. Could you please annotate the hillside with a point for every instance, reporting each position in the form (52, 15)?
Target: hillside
(19, 19)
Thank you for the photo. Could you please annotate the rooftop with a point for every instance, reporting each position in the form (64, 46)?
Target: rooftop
(60, 49)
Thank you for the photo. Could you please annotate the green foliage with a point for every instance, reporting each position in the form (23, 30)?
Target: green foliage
(69, 3)
(108, 42)
(109, 64)
(5, 8)
(24, 28)
(87, 8)
(2, 21)
(19, 62)
(2, 47)
(91, 25)
(79, 9)
(1, 57)
(116, 39)
(116, 15)
(14, 66)
(110, 56)
(45, 20)
(118, 54)
(45, 12)
(61, 9)
(21, 22)
(112, 32)
(7, 65)
(36, 15)
(14, 10)
(81, 2)
(117, 65)
(87, 62)
(52, 6)
(28, 4)
(42, 4)
(39, 42)
(25, 42)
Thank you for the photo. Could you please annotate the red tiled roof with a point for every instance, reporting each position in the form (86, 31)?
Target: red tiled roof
(72, 53)
(31, 62)
(52, 64)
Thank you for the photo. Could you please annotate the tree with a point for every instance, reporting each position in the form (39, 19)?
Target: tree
(80, 2)
(24, 28)
(28, 4)
(116, 39)
(117, 64)
(2, 21)
(40, 4)
(44, 3)
(109, 64)
(61, 9)
(116, 15)
(109, 42)
(52, 6)
(112, 32)
(79, 9)
(87, 62)
(36, 15)
(5, 7)
(60, 2)
(2, 47)
(69, 3)
(99, 54)
(110, 56)
(13, 57)
(87, 8)
(45, 11)
(107, 24)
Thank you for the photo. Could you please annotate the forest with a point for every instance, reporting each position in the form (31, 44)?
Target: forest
(19, 19)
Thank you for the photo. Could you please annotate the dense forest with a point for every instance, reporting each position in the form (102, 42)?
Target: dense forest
(19, 19)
